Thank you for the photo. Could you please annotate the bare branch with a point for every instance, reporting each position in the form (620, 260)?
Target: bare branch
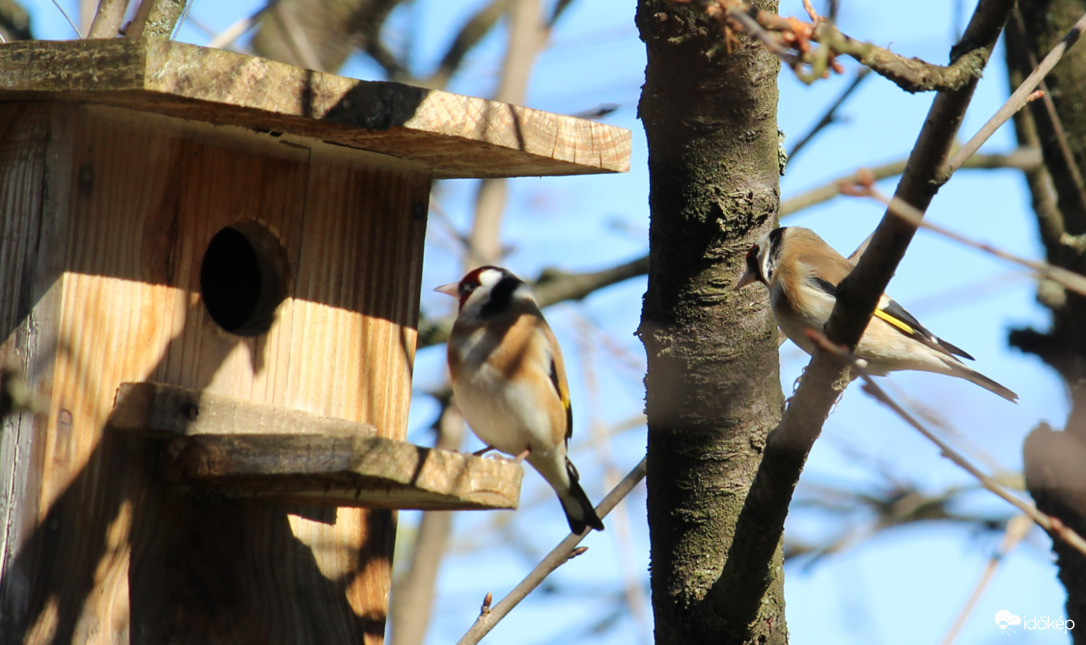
(790, 39)
(1052, 525)
(761, 523)
(555, 285)
(295, 37)
(588, 343)
(227, 36)
(108, 19)
(1061, 164)
(1018, 99)
(831, 113)
(71, 22)
(1025, 159)
(526, 37)
(1017, 529)
(1050, 222)
(556, 558)
(1059, 275)
(897, 507)
(413, 594)
(15, 23)
(470, 34)
(156, 19)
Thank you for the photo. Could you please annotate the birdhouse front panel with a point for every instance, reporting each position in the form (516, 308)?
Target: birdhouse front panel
(270, 269)
(209, 272)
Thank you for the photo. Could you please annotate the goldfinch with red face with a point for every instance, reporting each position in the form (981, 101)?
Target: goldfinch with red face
(802, 273)
(509, 382)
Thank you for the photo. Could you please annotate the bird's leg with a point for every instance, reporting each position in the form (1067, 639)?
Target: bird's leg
(519, 458)
(480, 453)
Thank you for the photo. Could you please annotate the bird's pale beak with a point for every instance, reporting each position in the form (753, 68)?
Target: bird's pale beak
(451, 289)
(745, 279)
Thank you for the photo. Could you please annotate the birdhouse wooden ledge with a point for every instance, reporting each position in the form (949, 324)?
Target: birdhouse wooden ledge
(211, 269)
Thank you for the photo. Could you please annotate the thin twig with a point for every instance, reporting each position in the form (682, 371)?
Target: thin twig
(905, 211)
(1050, 222)
(1052, 525)
(181, 20)
(831, 113)
(1025, 159)
(296, 38)
(743, 17)
(470, 34)
(108, 18)
(156, 19)
(226, 37)
(599, 438)
(71, 22)
(1018, 99)
(1051, 114)
(760, 525)
(556, 558)
(790, 40)
(1062, 165)
(1017, 529)
(414, 589)
(526, 37)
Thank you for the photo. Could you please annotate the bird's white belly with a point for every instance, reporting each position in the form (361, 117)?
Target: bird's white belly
(794, 324)
(506, 417)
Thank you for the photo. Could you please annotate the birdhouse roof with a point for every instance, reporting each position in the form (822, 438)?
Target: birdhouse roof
(455, 135)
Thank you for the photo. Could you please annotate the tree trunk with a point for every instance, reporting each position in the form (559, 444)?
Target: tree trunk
(1054, 460)
(713, 392)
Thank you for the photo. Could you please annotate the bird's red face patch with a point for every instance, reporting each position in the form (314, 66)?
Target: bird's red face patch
(469, 284)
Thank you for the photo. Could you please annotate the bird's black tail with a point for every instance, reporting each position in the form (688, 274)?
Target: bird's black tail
(579, 510)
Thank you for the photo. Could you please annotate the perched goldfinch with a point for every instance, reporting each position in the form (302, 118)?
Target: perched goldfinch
(802, 273)
(509, 382)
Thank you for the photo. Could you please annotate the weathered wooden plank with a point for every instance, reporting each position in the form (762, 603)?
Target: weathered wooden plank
(130, 204)
(371, 472)
(279, 453)
(24, 261)
(168, 410)
(457, 136)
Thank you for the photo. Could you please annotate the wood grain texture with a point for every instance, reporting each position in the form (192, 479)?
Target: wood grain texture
(371, 472)
(164, 410)
(456, 136)
(24, 147)
(126, 205)
(253, 450)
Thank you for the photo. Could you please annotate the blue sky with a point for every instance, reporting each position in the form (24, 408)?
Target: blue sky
(903, 586)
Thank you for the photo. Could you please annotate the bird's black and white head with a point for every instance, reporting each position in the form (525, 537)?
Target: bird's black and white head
(762, 258)
(487, 292)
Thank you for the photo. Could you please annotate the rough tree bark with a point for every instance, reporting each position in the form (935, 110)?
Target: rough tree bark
(1054, 460)
(713, 394)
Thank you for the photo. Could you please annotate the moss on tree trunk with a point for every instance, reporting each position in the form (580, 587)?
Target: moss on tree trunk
(713, 393)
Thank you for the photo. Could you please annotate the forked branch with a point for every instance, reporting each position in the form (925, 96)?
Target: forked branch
(791, 40)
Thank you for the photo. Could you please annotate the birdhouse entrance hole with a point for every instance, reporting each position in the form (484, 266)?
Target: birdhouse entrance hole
(244, 278)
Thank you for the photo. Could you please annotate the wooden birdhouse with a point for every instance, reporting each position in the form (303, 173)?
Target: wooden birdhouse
(210, 267)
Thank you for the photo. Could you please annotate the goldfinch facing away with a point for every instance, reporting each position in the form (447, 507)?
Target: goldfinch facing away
(509, 382)
(802, 273)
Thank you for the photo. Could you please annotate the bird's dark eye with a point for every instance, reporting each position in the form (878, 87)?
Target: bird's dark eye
(467, 287)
